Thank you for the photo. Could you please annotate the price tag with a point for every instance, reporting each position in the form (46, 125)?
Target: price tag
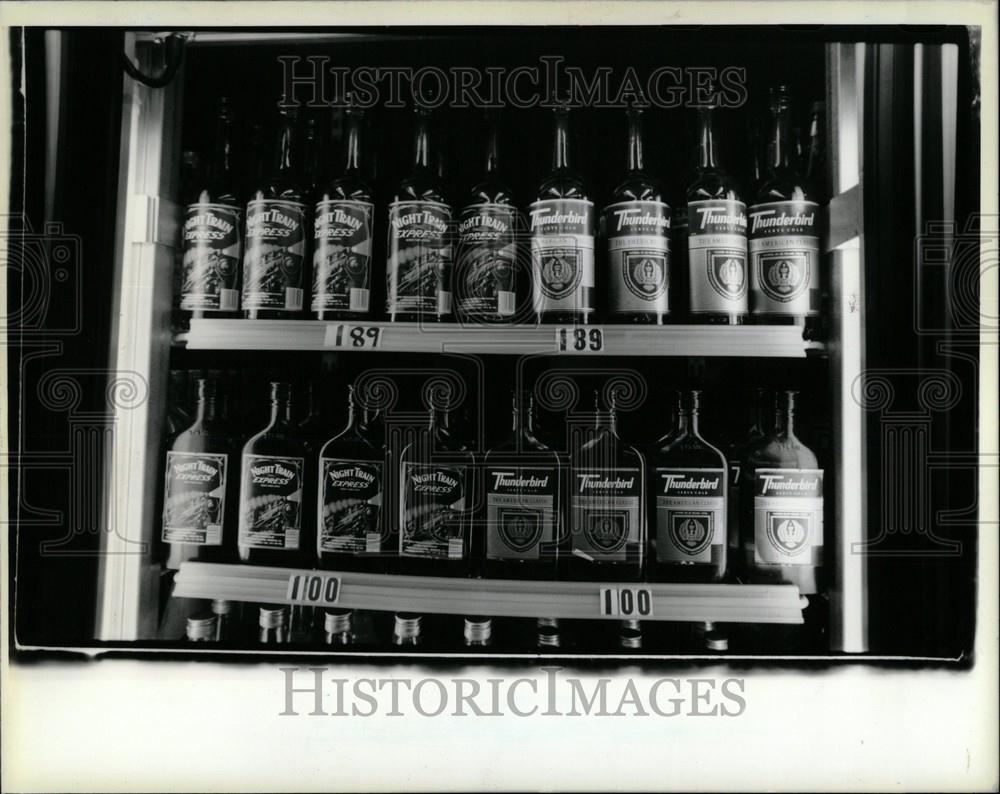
(313, 588)
(573, 339)
(627, 602)
(353, 336)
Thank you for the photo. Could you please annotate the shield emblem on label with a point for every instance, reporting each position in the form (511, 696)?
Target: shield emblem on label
(691, 532)
(789, 534)
(607, 532)
(520, 531)
(645, 274)
(784, 275)
(727, 272)
(560, 272)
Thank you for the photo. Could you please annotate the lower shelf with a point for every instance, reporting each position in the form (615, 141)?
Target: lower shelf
(723, 603)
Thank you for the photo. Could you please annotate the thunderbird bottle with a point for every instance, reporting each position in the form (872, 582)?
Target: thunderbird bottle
(351, 519)
(213, 233)
(274, 265)
(782, 510)
(607, 504)
(689, 501)
(562, 239)
(201, 486)
(524, 496)
(784, 235)
(486, 265)
(717, 237)
(272, 490)
(420, 245)
(635, 229)
(342, 254)
(736, 454)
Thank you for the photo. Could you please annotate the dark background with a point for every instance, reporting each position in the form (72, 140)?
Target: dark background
(920, 604)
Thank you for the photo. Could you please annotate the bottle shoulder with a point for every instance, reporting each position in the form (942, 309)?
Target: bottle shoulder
(782, 185)
(347, 188)
(639, 186)
(689, 448)
(420, 186)
(713, 183)
(782, 452)
(280, 188)
(562, 184)
(489, 192)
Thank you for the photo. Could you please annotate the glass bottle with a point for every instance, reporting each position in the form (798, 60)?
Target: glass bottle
(344, 217)
(437, 500)
(201, 486)
(736, 455)
(607, 503)
(274, 265)
(524, 487)
(351, 518)
(782, 507)
(212, 234)
(420, 239)
(784, 232)
(486, 259)
(272, 490)
(562, 238)
(635, 229)
(689, 488)
(717, 236)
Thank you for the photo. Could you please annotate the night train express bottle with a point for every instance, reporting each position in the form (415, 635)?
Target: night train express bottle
(351, 518)
(784, 232)
(420, 245)
(717, 236)
(212, 237)
(782, 511)
(274, 266)
(201, 486)
(272, 490)
(342, 253)
(522, 479)
(689, 489)
(635, 230)
(436, 502)
(562, 238)
(486, 258)
(607, 504)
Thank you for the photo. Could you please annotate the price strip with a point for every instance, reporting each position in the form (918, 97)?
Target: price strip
(358, 337)
(579, 340)
(313, 588)
(626, 602)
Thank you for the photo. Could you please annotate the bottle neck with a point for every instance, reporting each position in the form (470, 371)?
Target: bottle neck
(439, 419)
(422, 143)
(222, 156)
(781, 140)
(635, 162)
(522, 421)
(708, 155)
(784, 416)
(687, 422)
(281, 411)
(284, 148)
(208, 409)
(560, 145)
(492, 152)
(352, 149)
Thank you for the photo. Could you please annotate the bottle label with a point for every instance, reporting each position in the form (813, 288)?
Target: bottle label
(433, 511)
(784, 258)
(194, 501)
(420, 258)
(717, 256)
(271, 502)
(342, 256)
(637, 235)
(605, 506)
(487, 258)
(788, 516)
(562, 255)
(520, 512)
(210, 263)
(690, 514)
(350, 506)
(276, 247)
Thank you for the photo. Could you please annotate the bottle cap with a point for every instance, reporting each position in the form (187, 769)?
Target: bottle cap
(630, 638)
(201, 626)
(549, 622)
(548, 637)
(338, 621)
(478, 630)
(272, 617)
(716, 642)
(407, 625)
(280, 390)
(635, 625)
(221, 607)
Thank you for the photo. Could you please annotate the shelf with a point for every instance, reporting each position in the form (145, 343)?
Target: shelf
(762, 341)
(724, 603)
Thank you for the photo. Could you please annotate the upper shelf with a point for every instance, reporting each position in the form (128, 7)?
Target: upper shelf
(760, 341)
